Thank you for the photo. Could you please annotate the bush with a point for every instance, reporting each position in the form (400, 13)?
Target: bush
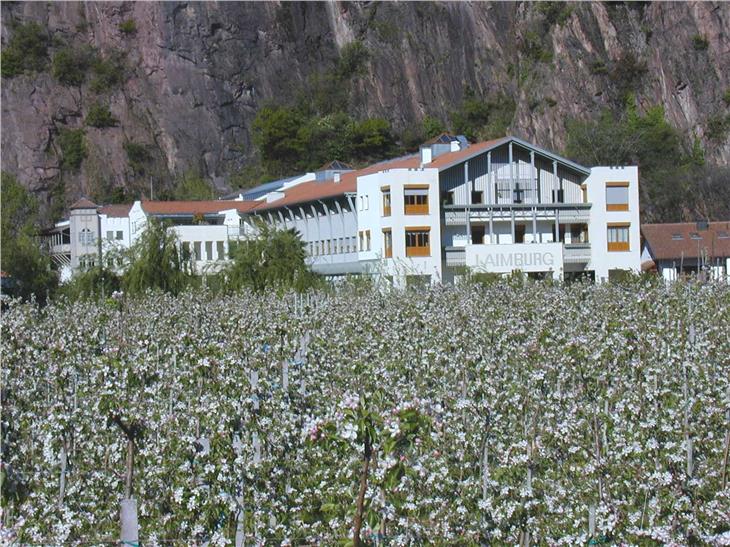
(699, 42)
(73, 148)
(717, 127)
(555, 12)
(71, 65)
(138, 156)
(353, 58)
(483, 118)
(128, 27)
(100, 116)
(532, 46)
(92, 284)
(627, 73)
(108, 72)
(26, 51)
(726, 97)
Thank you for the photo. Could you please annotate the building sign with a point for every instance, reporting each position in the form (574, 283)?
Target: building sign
(526, 257)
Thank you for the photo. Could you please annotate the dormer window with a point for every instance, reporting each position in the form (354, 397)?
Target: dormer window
(677, 237)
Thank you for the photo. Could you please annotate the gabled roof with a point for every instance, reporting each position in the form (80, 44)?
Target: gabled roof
(196, 207)
(83, 203)
(116, 211)
(445, 161)
(673, 241)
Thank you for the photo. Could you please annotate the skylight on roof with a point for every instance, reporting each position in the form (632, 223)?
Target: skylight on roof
(695, 235)
(677, 237)
(722, 234)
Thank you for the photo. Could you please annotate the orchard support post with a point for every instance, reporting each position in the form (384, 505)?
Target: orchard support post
(130, 527)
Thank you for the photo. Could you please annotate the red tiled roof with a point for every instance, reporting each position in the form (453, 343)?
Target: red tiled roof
(196, 207)
(663, 246)
(314, 190)
(118, 210)
(84, 203)
(450, 158)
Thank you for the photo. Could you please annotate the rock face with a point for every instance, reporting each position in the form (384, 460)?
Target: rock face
(196, 74)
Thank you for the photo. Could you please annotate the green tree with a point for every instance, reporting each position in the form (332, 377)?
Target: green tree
(276, 135)
(73, 148)
(71, 65)
(22, 256)
(100, 116)
(371, 138)
(273, 259)
(26, 51)
(432, 127)
(192, 187)
(480, 118)
(156, 262)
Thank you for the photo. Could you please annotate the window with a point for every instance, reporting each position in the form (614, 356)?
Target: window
(109, 235)
(220, 250)
(366, 202)
(418, 241)
(86, 237)
(120, 235)
(618, 237)
(722, 234)
(186, 250)
(694, 235)
(617, 196)
(386, 200)
(367, 240)
(209, 250)
(415, 198)
(388, 243)
(677, 237)
(447, 198)
(197, 255)
(477, 197)
(559, 196)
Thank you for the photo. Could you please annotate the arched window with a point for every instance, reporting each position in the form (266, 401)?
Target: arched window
(86, 237)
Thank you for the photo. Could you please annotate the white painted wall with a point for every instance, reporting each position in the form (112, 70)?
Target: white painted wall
(371, 218)
(601, 259)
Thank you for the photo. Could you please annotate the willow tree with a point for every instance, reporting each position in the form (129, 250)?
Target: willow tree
(156, 262)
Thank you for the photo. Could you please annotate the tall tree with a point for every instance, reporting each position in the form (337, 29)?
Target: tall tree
(156, 262)
(273, 259)
(22, 256)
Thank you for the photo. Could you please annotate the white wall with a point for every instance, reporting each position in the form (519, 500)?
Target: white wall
(601, 259)
(371, 218)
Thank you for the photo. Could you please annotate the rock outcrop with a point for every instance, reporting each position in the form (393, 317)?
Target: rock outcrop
(196, 73)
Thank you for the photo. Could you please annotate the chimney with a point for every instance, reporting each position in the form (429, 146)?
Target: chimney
(425, 155)
(337, 178)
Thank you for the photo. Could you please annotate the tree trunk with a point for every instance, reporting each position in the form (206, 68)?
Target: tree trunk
(361, 494)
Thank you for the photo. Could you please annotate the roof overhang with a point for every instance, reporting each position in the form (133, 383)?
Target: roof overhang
(524, 144)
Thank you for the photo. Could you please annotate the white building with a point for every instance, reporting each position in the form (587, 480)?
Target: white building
(496, 206)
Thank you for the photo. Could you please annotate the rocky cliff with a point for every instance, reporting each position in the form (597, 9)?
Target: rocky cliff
(187, 79)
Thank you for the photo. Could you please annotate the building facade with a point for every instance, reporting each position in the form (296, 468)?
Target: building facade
(496, 206)
(685, 249)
